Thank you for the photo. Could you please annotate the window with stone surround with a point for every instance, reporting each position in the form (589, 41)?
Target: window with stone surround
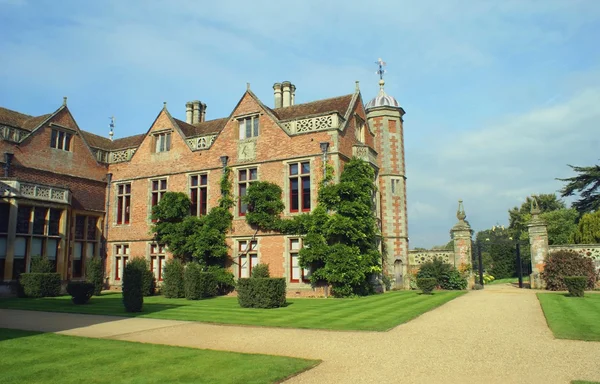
(247, 257)
(297, 274)
(158, 188)
(299, 182)
(245, 178)
(162, 142)
(85, 245)
(121, 259)
(359, 129)
(123, 203)
(60, 140)
(157, 260)
(37, 235)
(199, 194)
(248, 127)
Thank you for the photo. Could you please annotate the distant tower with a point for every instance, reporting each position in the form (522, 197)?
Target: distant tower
(111, 133)
(384, 115)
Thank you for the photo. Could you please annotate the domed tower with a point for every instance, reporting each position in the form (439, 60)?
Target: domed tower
(384, 115)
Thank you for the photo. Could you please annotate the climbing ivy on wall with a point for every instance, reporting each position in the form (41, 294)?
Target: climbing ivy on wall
(339, 234)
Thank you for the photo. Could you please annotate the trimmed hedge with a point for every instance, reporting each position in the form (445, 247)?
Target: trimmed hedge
(258, 292)
(149, 281)
(95, 275)
(560, 264)
(41, 265)
(224, 278)
(446, 276)
(133, 284)
(80, 291)
(40, 284)
(261, 271)
(576, 285)
(452, 280)
(199, 284)
(426, 284)
(173, 285)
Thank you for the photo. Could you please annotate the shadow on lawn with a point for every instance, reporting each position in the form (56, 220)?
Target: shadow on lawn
(24, 313)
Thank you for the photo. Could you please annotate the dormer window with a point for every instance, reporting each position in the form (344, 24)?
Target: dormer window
(248, 127)
(162, 142)
(60, 140)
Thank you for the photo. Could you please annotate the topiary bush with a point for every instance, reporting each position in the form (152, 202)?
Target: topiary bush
(133, 284)
(261, 271)
(260, 292)
(95, 275)
(41, 265)
(560, 264)
(198, 284)
(576, 285)
(40, 284)
(173, 285)
(80, 291)
(452, 280)
(426, 284)
(224, 278)
(149, 286)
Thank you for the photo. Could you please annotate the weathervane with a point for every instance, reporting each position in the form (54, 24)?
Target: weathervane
(112, 127)
(380, 71)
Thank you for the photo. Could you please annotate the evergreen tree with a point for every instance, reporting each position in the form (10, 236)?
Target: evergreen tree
(587, 184)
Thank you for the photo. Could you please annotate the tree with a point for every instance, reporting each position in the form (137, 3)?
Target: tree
(588, 229)
(561, 225)
(518, 217)
(587, 184)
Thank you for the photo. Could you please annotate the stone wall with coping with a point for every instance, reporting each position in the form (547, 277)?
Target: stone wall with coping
(586, 250)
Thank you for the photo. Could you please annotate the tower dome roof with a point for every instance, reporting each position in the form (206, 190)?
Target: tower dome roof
(382, 99)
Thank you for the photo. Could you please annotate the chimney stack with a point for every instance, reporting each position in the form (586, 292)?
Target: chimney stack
(203, 114)
(188, 112)
(293, 96)
(196, 112)
(277, 93)
(286, 85)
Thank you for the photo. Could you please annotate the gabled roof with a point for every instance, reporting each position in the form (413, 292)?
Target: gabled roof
(203, 128)
(20, 120)
(338, 104)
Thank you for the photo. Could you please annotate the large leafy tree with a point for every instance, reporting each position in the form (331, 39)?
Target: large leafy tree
(518, 217)
(588, 229)
(587, 185)
(561, 225)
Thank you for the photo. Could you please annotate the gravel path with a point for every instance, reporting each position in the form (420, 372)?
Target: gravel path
(498, 335)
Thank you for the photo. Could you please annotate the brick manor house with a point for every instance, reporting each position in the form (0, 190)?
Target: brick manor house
(68, 195)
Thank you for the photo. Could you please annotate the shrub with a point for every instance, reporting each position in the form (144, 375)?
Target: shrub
(261, 271)
(561, 264)
(576, 285)
(80, 291)
(173, 284)
(487, 278)
(198, 284)
(149, 282)
(452, 280)
(224, 278)
(95, 275)
(41, 265)
(133, 285)
(426, 284)
(260, 292)
(40, 284)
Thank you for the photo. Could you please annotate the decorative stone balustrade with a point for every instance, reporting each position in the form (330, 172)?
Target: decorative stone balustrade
(365, 153)
(419, 257)
(13, 188)
(121, 155)
(313, 124)
(201, 142)
(13, 134)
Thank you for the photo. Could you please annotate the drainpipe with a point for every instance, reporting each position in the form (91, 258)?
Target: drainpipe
(105, 235)
(8, 157)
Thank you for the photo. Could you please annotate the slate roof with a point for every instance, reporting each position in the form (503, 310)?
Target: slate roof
(204, 128)
(336, 104)
(20, 120)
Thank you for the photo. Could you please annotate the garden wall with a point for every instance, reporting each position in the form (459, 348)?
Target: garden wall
(586, 250)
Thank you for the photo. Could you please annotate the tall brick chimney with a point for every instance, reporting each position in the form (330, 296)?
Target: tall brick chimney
(196, 112)
(277, 94)
(287, 97)
(188, 112)
(203, 113)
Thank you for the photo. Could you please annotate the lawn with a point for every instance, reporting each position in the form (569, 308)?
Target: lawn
(372, 313)
(32, 357)
(575, 318)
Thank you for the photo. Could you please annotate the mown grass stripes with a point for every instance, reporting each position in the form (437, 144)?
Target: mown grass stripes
(49, 358)
(572, 317)
(372, 313)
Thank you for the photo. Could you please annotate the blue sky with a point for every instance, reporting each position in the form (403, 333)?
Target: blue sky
(499, 95)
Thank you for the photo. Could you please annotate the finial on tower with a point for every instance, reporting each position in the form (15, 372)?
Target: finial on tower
(111, 133)
(535, 208)
(380, 71)
(460, 213)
